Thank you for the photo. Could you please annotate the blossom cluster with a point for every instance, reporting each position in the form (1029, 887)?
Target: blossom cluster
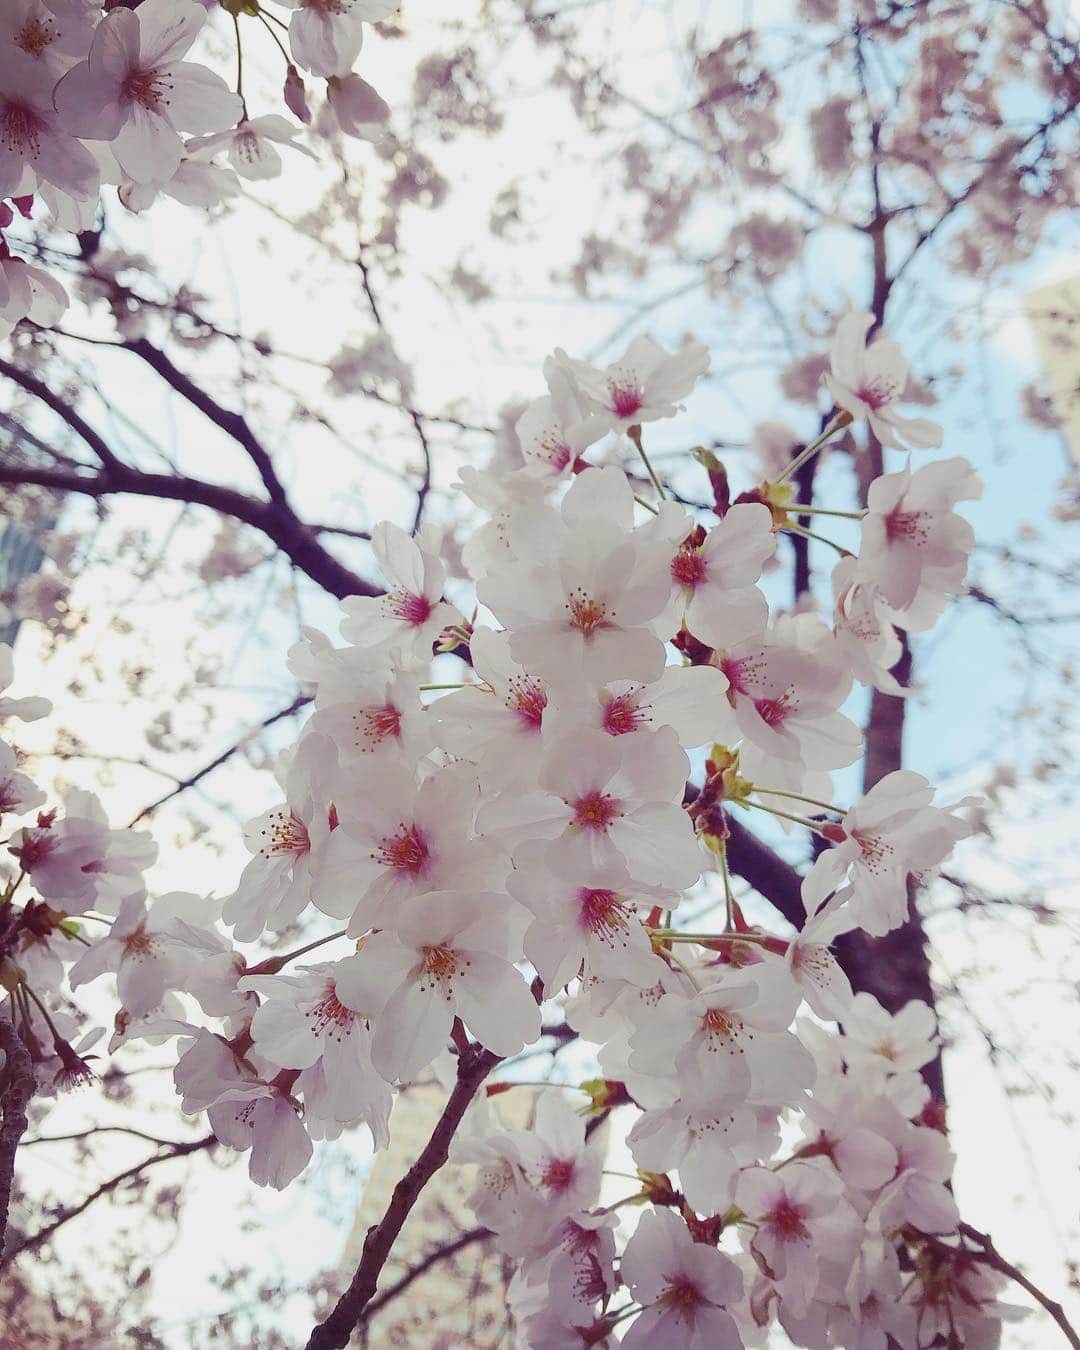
(540, 831)
(93, 96)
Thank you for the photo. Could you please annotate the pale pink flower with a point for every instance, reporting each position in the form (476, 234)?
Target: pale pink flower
(582, 914)
(915, 547)
(713, 594)
(288, 842)
(684, 1287)
(898, 1042)
(251, 145)
(683, 698)
(397, 840)
(303, 1024)
(447, 957)
(326, 35)
(643, 385)
(868, 381)
(819, 975)
(795, 1209)
(892, 831)
(863, 630)
(78, 861)
(27, 292)
(412, 614)
(262, 1118)
(355, 107)
(135, 90)
(608, 802)
(34, 147)
(555, 429)
(18, 793)
(28, 709)
(580, 599)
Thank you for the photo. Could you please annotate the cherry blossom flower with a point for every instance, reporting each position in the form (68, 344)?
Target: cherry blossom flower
(78, 860)
(326, 35)
(794, 1209)
(684, 1288)
(287, 842)
(891, 832)
(683, 698)
(34, 147)
(713, 593)
(865, 637)
(138, 950)
(867, 381)
(397, 841)
(250, 145)
(584, 588)
(18, 792)
(817, 972)
(27, 292)
(355, 107)
(610, 802)
(260, 1117)
(643, 385)
(135, 90)
(556, 429)
(915, 547)
(303, 1024)
(447, 957)
(412, 614)
(902, 1041)
(28, 709)
(583, 913)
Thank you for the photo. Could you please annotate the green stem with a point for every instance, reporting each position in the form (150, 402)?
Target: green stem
(273, 964)
(427, 688)
(840, 420)
(635, 435)
(262, 19)
(240, 65)
(787, 815)
(821, 539)
(799, 509)
(798, 797)
(647, 505)
(676, 935)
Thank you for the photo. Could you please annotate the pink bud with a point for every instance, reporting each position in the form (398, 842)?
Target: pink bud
(296, 95)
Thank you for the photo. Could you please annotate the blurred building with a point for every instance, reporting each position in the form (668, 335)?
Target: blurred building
(1054, 314)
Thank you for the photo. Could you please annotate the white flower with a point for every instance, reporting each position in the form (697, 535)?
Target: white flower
(554, 430)
(34, 147)
(915, 547)
(862, 627)
(18, 793)
(356, 108)
(713, 593)
(135, 91)
(585, 587)
(684, 1288)
(446, 958)
(868, 381)
(28, 709)
(412, 614)
(250, 145)
(643, 385)
(326, 35)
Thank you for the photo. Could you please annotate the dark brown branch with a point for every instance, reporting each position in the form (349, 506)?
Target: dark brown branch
(766, 871)
(17, 1079)
(43, 1234)
(233, 424)
(443, 1253)
(334, 1332)
(301, 701)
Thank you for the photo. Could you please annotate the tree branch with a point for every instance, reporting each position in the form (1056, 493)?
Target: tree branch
(334, 1332)
(18, 1088)
(43, 1234)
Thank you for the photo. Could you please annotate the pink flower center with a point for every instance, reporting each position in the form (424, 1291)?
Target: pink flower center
(787, 1220)
(552, 449)
(19, 130)
(909, 526)
(526, 697)
(682, 1295)
(374, 725)
(558, 1174)
(587, 615)
(774, 712)
(741, 671)
(285, 832)
(148, 88)
(595, 811)
(330, 1013)
(36, 846)
(34, 36)
(689, 568)
(878, 393)
(602, 913)
(139, 943)
(626, 398)
(414, 610)
(622, 714)
(405, 851)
